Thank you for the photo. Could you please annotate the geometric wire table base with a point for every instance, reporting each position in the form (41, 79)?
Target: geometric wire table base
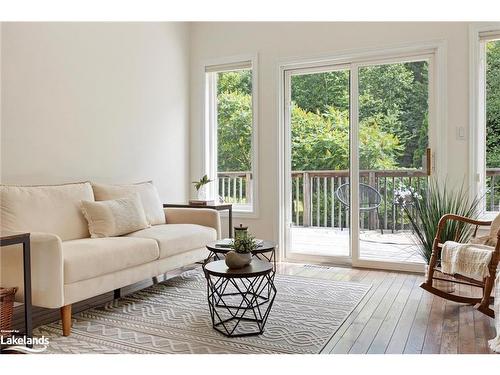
(240, 306)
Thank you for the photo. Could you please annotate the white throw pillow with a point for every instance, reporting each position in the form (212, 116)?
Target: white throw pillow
(147, 192)
(114, 217)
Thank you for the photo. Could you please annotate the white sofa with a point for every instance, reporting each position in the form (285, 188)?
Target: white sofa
(68, 266)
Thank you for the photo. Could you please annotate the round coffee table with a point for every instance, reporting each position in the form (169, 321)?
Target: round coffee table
(240, 300)
(266, 251)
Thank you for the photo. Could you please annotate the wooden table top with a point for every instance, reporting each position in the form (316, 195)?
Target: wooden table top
(218, 206)
(255, 268)
(264, 248)
(5, 235)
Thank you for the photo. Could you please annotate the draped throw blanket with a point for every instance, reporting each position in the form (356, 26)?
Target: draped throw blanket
(470, 260)
(495, 343)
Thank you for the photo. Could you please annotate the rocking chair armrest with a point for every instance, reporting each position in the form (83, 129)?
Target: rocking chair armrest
(462, 219)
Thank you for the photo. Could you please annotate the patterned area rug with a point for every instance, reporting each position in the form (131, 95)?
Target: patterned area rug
(173, 317)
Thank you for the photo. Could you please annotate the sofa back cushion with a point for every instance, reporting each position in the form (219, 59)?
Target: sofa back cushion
(50, 209)
(114, 217)
(147, 192)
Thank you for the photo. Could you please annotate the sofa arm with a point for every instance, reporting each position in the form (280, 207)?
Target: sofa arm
(47, 264)
(201, 216)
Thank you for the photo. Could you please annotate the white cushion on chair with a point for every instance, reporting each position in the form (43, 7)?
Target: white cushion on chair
(470, 260)
(491, 239)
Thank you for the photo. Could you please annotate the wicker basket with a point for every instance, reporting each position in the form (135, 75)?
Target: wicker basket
(6, 310)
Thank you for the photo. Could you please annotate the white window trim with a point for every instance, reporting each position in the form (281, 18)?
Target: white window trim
(477, 112)
(210, 133)
(437, 123)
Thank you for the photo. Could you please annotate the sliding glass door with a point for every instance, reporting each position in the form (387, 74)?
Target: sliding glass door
(319, 161)
(356, 136)
(393, 114)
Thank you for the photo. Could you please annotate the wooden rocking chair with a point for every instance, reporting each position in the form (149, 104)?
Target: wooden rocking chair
(482, 303)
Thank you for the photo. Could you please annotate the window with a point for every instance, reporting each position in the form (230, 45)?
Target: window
(486, 121)
(492, 124)
(230, 133)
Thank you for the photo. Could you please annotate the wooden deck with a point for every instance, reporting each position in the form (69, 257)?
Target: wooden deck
(392, 247)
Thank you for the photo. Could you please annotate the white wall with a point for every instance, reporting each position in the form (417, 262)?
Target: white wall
(113, 102)
(96, 101)
(275, 42)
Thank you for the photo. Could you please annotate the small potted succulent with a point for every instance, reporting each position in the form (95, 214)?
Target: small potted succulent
(241, 256)
(201, 187)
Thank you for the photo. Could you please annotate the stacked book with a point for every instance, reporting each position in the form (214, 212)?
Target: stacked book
(196, 202)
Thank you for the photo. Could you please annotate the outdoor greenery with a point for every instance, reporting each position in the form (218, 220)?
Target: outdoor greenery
(393, 118)
(493, 122)
(493, 104)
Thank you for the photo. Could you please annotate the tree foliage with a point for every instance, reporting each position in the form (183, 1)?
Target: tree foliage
(393, 95)
(393, 116)
(493, 104)
(321, 141)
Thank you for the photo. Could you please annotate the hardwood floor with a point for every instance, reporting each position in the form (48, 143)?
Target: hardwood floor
(395, 316)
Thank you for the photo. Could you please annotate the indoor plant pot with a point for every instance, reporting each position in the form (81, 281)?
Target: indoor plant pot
(243, 246)
(236, 260)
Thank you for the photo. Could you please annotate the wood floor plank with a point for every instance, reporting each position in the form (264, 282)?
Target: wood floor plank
(401, 330)
(378, 317)
(374, 277)
(482, 332)
(449, 337)
(466, 339)
(433, 334)
(416, 337)
(350, 336)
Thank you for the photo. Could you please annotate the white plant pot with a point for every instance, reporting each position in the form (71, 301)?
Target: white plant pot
(202, 193)
(236, 260)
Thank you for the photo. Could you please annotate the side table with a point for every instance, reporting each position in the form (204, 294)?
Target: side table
(217, 207)
(266, 251)
(237, 299)
(7, 239)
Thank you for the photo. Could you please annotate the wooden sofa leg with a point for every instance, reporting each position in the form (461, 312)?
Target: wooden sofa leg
(66, 319)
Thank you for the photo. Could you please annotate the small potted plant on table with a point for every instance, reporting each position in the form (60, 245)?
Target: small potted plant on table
(201, 187)
(241, 256)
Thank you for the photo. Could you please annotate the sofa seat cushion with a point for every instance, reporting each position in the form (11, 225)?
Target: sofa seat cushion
(177, 238)
(91, 257)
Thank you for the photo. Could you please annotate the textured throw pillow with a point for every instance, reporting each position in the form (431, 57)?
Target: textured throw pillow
(147, 191)
(491, 239)
(114, 217)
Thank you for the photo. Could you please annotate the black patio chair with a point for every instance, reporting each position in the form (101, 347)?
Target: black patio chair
(369, 200)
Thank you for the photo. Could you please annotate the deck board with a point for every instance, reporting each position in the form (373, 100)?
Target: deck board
(392, 247)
